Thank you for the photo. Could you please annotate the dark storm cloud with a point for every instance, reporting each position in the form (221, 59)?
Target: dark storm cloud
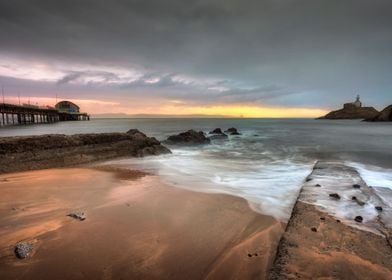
(259, 50)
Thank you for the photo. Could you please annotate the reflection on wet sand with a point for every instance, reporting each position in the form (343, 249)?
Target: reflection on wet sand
(136, 227)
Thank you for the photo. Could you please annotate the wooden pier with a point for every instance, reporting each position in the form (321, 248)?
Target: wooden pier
(11, 114)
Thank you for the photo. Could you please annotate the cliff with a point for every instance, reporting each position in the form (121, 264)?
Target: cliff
(384, 116)
(57, 150)
(352, 113)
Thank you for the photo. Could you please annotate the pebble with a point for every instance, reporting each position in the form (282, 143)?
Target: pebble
(314, 229)
(378, 208)
(356, 186)
(358, 219)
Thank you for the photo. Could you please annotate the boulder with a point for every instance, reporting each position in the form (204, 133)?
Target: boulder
(384, 116)
(190, 137)
(23, 249)
(217, 134)
(216, 131)
(232, 131)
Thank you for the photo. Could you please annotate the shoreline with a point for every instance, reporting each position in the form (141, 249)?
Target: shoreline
(136, 227)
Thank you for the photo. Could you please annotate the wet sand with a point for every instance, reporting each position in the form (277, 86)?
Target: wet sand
(136, 228)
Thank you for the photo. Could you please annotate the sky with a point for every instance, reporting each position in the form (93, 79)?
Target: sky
(250, 58)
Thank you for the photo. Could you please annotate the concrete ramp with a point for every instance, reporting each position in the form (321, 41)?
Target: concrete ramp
(340, 228)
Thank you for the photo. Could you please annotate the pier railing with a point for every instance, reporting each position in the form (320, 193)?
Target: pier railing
(11, 114)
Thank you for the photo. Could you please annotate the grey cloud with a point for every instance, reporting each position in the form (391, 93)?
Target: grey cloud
(324, 50)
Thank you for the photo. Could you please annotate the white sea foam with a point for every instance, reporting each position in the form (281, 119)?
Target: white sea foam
(270, 186)
(374, 176)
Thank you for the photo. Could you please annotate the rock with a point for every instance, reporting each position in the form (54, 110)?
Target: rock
(358, 219)
(384, 116)
(354, 198)
(378, 208)
(334, 195)
(23, 249)
(314, 229)
(352, 113)
(217, 134)
(216, 131)
(58, 150)
(190, 137)
(232, 131)
(322, 218)
(317, 185)
(78, 215)
(308, 179)
(356, 186)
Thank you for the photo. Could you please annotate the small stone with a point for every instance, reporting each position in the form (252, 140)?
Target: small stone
(256, 254)
(308, 179)
(78, 215)
(338, 221)
(378, 208)
(354, 198)
(249, 255)
(322, 218)
(358, 219)
(356, 186)
(334, 195)
(23, 249)
(314, 229)
(317, 185)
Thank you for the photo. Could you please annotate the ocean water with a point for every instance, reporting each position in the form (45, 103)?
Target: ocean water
(266, 165)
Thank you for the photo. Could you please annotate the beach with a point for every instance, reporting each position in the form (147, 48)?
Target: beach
(136, 227)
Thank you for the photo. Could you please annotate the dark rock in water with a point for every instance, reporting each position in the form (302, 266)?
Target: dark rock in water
(232, 131)
(217, 134)
(78, 215)
(317, 185)
(356, 186)
(354, 198)
(358, 219)
(334, 195)
(216, 131)
(378, 208)
(314, 229)
(190, 137)
(384, 116)
(338, 221)
(308, 179)
(23, 249)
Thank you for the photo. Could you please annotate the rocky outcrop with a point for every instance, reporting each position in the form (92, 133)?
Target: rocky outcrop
(232, 131)
(352, 113)
(57, 150)
(217, 134)
(216, 131)
(190, 137)
(384, 116)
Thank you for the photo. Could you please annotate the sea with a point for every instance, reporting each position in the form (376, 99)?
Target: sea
(266, 164)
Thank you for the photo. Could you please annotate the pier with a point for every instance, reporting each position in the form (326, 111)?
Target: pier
(11, 114)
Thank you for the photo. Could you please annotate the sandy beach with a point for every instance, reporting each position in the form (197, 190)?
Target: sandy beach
(136, 228)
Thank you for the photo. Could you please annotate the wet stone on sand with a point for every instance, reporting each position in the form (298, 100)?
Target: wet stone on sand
(78, 215)
(23, 250)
